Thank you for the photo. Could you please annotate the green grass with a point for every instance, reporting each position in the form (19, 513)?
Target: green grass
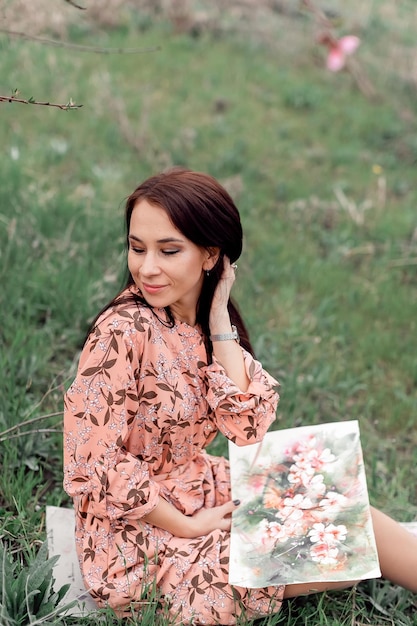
(327, 281)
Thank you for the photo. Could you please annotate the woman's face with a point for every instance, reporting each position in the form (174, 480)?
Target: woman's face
(167, 267)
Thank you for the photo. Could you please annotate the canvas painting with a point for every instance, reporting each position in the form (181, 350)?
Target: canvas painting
(304, 514)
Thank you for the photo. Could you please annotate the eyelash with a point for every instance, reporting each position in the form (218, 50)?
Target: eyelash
(165, 252)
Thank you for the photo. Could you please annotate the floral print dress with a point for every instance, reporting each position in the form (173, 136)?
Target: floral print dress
(138, 416)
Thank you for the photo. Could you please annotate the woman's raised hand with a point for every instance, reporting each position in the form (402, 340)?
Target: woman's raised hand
(221, 295)
(227, 352)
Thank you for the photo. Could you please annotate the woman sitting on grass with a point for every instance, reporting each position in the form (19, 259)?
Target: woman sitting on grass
(160, 374)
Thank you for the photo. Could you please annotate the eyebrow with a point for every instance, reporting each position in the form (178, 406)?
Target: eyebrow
(165, 240)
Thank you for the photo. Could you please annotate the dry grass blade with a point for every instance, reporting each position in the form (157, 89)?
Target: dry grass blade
(4, 435)
(77, 47)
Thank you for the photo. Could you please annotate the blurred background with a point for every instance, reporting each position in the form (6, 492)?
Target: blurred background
(306, 112)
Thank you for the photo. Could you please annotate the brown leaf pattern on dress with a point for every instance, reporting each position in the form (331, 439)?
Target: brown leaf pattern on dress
(140, 412)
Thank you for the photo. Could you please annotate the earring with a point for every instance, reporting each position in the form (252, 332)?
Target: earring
(207, 273)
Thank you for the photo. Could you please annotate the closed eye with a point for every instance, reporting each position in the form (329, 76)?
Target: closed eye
(137, 250)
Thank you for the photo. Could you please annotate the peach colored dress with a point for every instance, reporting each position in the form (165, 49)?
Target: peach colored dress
(138, 416)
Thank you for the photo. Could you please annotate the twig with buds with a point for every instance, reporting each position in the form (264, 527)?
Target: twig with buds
(70, 105)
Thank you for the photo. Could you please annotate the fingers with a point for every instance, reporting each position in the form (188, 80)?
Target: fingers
(229, 267)
(226, 511)
(224, 286)
(229, 271)
(206, 520)
(229, 507)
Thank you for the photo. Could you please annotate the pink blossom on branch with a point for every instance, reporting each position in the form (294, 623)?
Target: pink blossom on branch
(339, 50)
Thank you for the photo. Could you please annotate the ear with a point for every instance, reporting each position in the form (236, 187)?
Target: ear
(212, 256)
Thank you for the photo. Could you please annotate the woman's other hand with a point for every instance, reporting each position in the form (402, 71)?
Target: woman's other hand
(207, 520)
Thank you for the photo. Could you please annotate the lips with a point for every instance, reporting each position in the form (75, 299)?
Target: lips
(153, 289)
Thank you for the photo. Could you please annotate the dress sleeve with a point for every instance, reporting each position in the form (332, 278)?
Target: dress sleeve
(243, 417)
(99, 412)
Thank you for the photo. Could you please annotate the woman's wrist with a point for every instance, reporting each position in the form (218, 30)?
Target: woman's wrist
(168, 517)
(187, 527)
(232, 335)
(220, 323)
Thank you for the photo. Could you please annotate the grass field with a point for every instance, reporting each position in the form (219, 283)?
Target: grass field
(323, 169)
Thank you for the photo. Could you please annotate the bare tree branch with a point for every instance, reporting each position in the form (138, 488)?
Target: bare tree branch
(64, 107)
(74, 46)
(74, 4)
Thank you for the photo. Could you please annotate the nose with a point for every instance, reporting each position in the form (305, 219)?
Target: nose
(149, 266)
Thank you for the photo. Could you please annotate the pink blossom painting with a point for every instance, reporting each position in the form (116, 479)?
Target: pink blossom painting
(304, 514)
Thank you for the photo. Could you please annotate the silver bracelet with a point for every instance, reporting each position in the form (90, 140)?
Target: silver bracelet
(226, 336)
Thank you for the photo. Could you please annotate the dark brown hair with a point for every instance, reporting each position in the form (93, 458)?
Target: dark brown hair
(203, 211)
